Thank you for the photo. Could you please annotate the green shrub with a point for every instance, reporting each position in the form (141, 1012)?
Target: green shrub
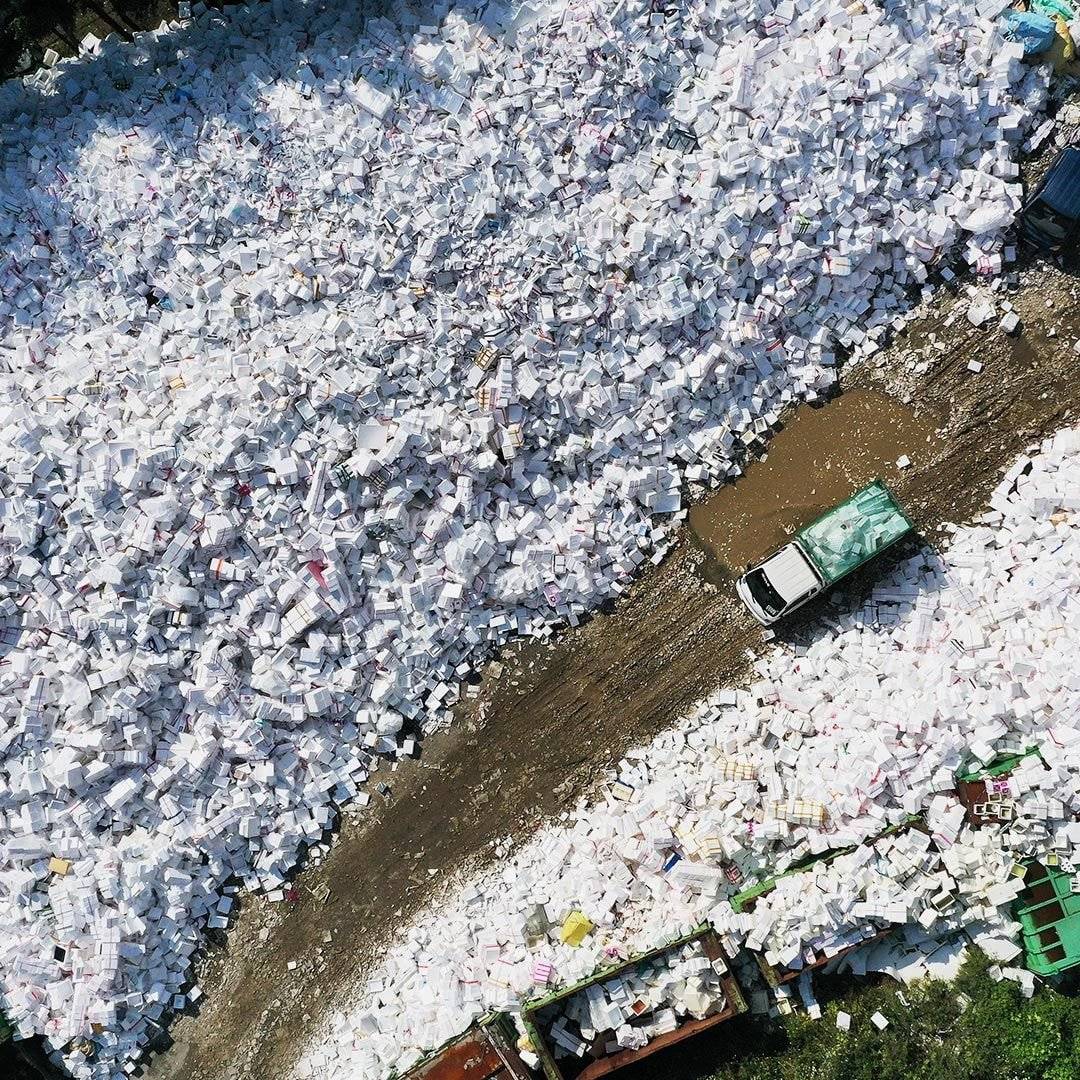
(992, 1033)
(972, 1029)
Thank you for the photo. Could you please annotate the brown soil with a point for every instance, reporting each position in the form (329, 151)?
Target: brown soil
(816, 461)
(551, 717)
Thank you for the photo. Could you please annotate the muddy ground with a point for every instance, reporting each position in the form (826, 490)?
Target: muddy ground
(550, 717)
(819, 459)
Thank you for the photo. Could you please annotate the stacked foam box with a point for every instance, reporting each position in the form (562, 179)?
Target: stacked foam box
(627, 1011)
(331, 356)
(952, 660)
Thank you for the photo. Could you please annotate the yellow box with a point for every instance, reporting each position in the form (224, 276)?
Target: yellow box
(576, 929)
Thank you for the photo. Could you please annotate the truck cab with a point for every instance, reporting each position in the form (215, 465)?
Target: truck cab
(780, 584)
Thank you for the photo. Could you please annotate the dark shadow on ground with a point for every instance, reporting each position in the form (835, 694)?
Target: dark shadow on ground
(26, 1059)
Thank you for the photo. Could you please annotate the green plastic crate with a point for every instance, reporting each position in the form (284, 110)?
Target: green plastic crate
(1049, 912)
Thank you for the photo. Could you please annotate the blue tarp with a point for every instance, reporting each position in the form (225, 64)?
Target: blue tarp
(1035, 32)
(1062, 190)
(1052, 214)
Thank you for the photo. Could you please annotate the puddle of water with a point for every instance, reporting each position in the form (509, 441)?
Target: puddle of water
(819, 458)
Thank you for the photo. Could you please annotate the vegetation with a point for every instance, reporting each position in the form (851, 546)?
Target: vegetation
(28, 27)
(989, 1032)
(22, 24)
(973, 1029)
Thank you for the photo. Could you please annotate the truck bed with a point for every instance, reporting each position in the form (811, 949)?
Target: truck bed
(485, 1052)
(853, 532)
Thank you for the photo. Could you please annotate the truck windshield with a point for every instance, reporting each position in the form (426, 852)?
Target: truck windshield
(766, 597)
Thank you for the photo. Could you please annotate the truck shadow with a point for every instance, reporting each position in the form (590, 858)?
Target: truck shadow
(848, 604)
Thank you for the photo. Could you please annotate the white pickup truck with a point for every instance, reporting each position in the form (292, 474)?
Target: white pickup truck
(827, 549)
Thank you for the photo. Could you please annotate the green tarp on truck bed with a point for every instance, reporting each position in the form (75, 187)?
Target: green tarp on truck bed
(853, 532)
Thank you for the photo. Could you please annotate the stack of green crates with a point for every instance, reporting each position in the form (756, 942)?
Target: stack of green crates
(1049, 912)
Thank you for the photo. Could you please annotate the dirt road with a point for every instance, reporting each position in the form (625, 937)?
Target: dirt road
(555, 715)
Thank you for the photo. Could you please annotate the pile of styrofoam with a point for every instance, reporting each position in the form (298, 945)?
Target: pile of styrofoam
(952, 660)
(332, 359)
(628, 1010)
(900, 879)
